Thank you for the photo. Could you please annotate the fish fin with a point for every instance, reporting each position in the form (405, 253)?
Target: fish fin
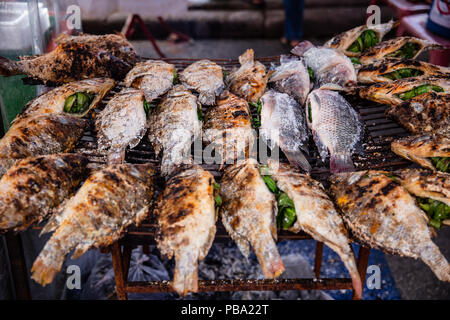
(436, 261)
(297, 158)
(8, 67)
(341, 163)
(185, 277)
(52, 225)
(207, 98)
(247, 57)
(267, 253)
(301, 48)
(348, 258)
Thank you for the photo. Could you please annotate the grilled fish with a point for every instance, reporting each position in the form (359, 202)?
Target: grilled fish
(292, 77)
(250, 80)
(206, 78)
(283, 124)
(34, 187)
(249, 214)
(122, 123)
(153, 77)
(388, 70)
(359, 39)
(398, 48)
(381, 213)
(335, 126)
(227, 126)
(396, 92)
(428, 112)
(77, 57)
(316, 214)
(186, 224)
(62, 99)
(173, 126)
(329, 66)
(96, 216)
(422, 148)
(39, 135)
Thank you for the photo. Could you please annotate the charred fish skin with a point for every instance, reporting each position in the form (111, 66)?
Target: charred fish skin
(316, 214)
(250, 80)
(426, 113)
(228, 127)
(249, 212)
(381, 213)
(40, 135)
(77, 57)
(153, 77)
(206, 78)
(420, 148)
(34, 187)
(283, 124)
(186, 224)
(96, 216)
(336, 128)
(173, 126)
(292, 77)
(121, 124)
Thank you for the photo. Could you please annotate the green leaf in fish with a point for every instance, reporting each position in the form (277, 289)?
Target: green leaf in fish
(309, 113)
(311, 74)
(355, 60)
(78, 102)
(270, 184)
(146, 107)
(175, 76)
(199, 114)
(218, 200)
(403, 73)
(419, 90)
(436, 210)
(257, 118)
(366, 40)
(407, 51)
(441, 163)
(288, 218)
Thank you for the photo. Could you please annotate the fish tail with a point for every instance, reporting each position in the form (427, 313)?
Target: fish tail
(348, 258)
(8, 67)
(436, 261)
(297, 158)
(341, 162)
(267, 253)
(185, 278)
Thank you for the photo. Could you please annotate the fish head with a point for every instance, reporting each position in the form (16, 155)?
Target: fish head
(313, 106)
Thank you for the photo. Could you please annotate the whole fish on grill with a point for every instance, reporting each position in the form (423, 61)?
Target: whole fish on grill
(398, 48)
(381, 213)
(227, 126)
(316, 214)
(355, 41)
(335, 126)
(428, 112)
(75, 58)
(428, 150)
(186, 224)
(329, 66)
(110, 200)
(292, 77)
(250, 80)
(249, 214)
(39, 135)
(388, 70)
(122, 123)
(283, 124)
(34, 187)
(72, 99)
(396, 92)
(153, 77)
(206, 78)
(173, 126)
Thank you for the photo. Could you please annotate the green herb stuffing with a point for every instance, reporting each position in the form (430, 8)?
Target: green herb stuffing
(419, 90)
(441, 163)
(199, 114)
(78, 102)
(437, 211)
(175, 76)
(355, 60)
(146, 107)
(311, 74)
(309, 113)
(257, 118)
(407, 51)
(217, 197)
(403, 73)
(366, 40)
(390, 176)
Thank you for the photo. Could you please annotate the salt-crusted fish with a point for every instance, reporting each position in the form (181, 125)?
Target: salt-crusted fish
(250, 80)
(292, 77)
(249, 214)
(206, 78)
(316, 214)
(283, 125)
(121, 124)
(39, 135)
(77, 57)
(381, 213)
(335, 126)
(96, 216)
(329, 66)
(428, 150)
(153, 77)
(173, 126)
(355, 41)
(33, 187)
(227, 126)
(186, 224)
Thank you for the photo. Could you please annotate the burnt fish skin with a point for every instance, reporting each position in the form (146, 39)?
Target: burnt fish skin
(381, 213)
(335, 126)
(283, 124)
(110, 200)
(34, 187)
